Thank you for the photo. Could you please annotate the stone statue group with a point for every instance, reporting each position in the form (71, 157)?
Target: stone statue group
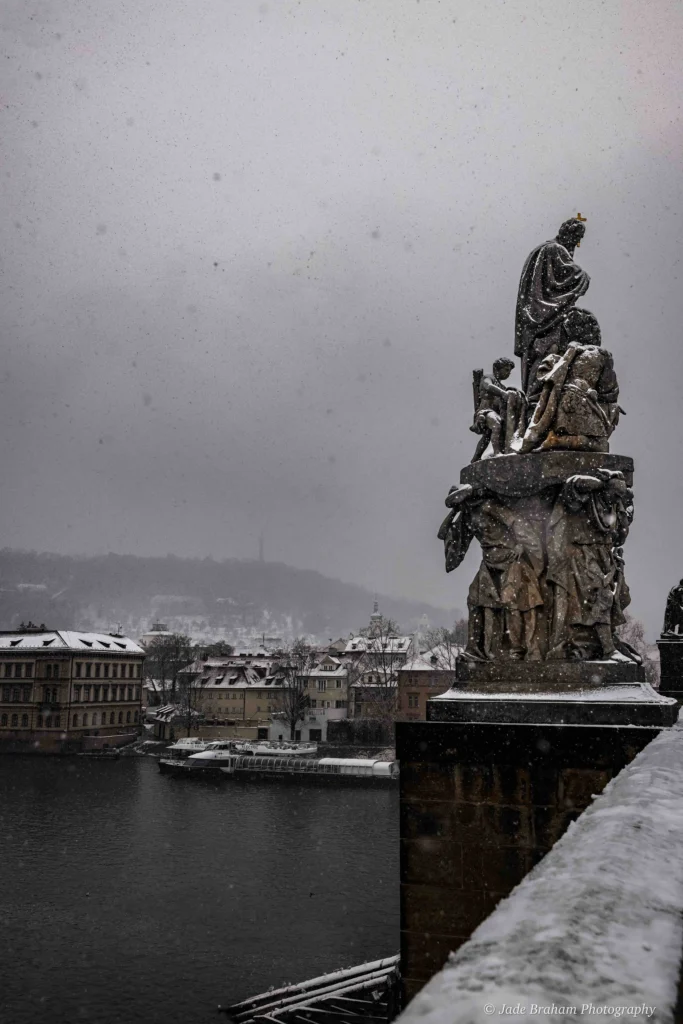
(549, 506)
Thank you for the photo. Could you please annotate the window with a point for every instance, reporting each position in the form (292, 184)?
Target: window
(88, 670)
(39, 722)
(77, 694)
(15, 720)
(26, 694)
(85, 719)
(135, 717)
(120, 717)
(114, 671)
(48, 722)
(127, 716)
(15, 693)
(322, 684)
(314, 704)
(54, 695)
(5, 693)
(106, 671)
(8, 669)
(340, 703)
(79, 669)
(57, 722)
(111, 718)
(29, 671)
(96, 694)
(3, 719)
(98, 669)
(75, 720)
(17, 670)
(130, 693)
(24, 720)
(86, 693)
(413, 700)
(94, 718)
(138, 671)
(338, 683)
(48, 671)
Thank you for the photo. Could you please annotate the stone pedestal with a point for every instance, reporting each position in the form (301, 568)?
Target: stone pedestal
(671, 666)
(488, 784)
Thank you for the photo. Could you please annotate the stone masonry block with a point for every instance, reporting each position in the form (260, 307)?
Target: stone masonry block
(431, 861)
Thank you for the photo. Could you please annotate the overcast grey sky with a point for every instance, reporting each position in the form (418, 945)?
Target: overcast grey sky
(253, 251)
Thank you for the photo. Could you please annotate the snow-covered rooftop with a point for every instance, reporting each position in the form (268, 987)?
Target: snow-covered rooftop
(597, 923)
(68, 640)
(444, 660)
(378, 644)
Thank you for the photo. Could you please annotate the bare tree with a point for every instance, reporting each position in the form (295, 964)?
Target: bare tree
(218, 649)
(166, 657)
(294, 666)
(374, 671)
(633, 634)
(441, 644)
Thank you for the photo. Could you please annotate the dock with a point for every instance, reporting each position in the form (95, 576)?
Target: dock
(366, 994)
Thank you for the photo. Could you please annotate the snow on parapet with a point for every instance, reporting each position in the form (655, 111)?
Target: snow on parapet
(596, 924)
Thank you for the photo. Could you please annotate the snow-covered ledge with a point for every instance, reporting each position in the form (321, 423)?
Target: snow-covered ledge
(595, 926)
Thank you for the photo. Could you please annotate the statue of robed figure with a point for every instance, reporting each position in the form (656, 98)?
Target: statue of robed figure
(550, 284)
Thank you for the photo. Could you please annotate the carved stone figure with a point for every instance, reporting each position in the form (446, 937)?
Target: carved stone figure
(505, 593)
(549, 286)
(673, 616)
(576, 407)
(588, 525)
(498, 410)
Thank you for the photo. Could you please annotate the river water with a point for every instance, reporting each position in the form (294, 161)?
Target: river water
(129, 896)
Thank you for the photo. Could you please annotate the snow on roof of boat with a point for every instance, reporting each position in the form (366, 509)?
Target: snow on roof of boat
(356, 762)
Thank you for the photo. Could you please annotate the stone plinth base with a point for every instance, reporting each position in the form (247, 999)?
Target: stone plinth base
(482, 801)
(531, 676)
(619, 704)
(671, 665)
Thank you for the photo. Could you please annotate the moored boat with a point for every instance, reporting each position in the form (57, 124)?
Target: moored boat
(348, 771)
(218, 753)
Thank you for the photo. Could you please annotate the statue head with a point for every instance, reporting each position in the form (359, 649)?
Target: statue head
(571, 233)
(502, 368)
(581, 326)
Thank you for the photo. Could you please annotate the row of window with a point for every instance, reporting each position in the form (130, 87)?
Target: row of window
(55, 721)
(17, 669)
(130, 717)
(321, 684)
(82, 670)
(102, 670)
(50, 695)
(105, 693)
(14, 720)
(328, 703)
(16, 694)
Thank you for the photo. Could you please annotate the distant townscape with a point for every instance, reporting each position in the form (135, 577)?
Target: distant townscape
(82, 691)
